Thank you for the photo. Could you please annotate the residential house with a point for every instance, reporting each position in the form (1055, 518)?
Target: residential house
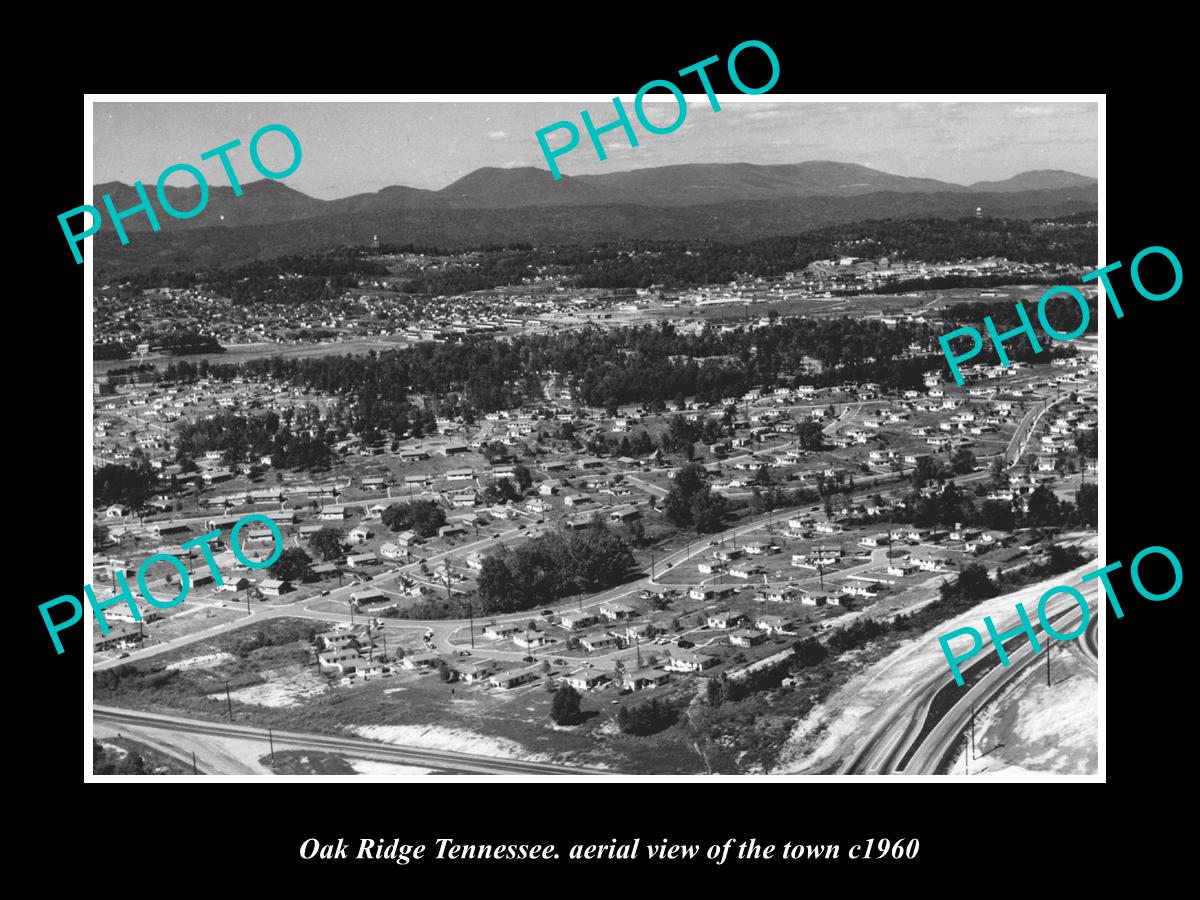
(273, 587)
(513, 678)
(585, 679)
(747, 637)
(724, 619)
(599, 641)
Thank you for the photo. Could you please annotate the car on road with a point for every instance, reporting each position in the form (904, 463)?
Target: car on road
(561, 662)
(464, 652)
(547, 612)
(220, 603)
(529, 659)
(668, 565)
(123, 654)
(325, 593)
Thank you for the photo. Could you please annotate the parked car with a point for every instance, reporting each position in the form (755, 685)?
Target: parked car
(464, 652)
(561, 662)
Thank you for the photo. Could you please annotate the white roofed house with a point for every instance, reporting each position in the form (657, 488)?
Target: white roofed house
(372, 599)
(599, 641)
(613, 611)
(408, 539)
(585, 679)
(499, 632)
(360, 535)
(273, 587)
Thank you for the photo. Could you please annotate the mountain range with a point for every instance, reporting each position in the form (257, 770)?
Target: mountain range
(720, 201)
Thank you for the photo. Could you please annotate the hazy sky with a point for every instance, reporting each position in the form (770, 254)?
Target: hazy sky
(351, 148)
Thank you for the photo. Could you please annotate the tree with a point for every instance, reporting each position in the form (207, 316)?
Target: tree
(524, 478)
(1087, 505)
(1044, 508)
(810, 435)
(962, 461)
(564, 709)
(497, 590)
(998, 515)
(424, 517)
(810, 651)
(971, 585)
(293, 565)
(327, 543)
(123, 484)
(99, 536)
(999, 474)
(926, 469)
(713, 694)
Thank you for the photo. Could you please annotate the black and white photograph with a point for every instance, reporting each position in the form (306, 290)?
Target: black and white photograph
(452, 436)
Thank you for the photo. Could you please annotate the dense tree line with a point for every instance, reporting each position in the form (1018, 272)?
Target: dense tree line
(641, 364)
(1062, 312)
(553, 565)
(128, 485)
(424, 517)
(675, 264)
(305, 276)
(646, 718)
(247, 438)
(690, 503)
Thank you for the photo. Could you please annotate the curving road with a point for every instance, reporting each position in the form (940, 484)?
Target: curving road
(897, 733)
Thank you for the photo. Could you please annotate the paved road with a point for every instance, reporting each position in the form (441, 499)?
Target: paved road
(447, 760)
(891, 739)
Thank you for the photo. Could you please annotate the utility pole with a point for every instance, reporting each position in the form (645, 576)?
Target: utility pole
(972, 731)
(271, 740)
(195, 771)
(1049, 648)
(229, 701)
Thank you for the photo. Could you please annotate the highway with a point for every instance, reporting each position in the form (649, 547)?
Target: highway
(444, 760)
(899, 711)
